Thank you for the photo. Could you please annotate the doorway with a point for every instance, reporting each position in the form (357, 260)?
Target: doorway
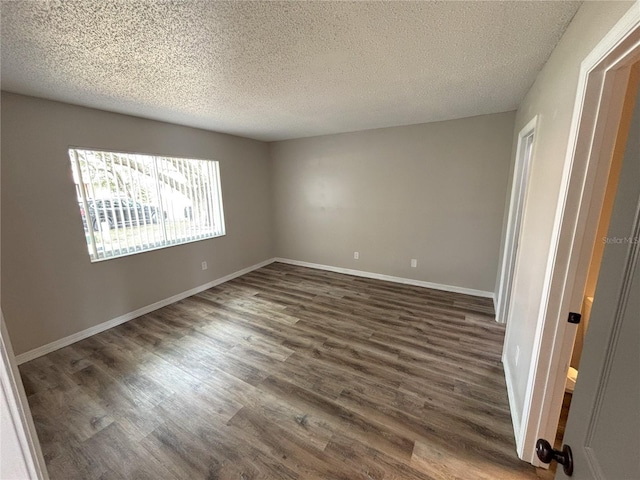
(630, 109)
(524, 153)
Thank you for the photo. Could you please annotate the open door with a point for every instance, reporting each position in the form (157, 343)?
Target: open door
(604, 421)
(603, 429)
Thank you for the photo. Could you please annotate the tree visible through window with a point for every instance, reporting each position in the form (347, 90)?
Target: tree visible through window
(131, 203)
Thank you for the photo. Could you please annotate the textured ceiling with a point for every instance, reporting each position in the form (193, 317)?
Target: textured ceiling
(279, 70)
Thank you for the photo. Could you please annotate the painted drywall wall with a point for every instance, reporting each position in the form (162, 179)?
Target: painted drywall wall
(432, 192)
(552, 97)
(50, 288)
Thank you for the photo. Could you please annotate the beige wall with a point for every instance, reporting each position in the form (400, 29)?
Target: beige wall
(433, 192)
(552, 97)
(50, 288)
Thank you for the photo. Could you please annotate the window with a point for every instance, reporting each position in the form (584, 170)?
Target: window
(132, 203)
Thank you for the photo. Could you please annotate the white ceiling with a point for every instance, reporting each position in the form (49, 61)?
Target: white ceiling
(280, 70)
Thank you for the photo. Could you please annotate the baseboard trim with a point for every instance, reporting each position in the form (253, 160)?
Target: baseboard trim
(389, 278)
(513, 410)
(76, 337)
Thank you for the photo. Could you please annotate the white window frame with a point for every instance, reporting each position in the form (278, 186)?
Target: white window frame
(111, 210)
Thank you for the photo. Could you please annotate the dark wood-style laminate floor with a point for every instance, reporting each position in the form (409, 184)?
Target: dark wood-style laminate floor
(284, 373)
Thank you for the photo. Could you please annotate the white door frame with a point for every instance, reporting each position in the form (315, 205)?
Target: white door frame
(519, 186)
(600, 95)
(20, 449)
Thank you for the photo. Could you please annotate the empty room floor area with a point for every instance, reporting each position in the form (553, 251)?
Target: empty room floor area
(284, 373)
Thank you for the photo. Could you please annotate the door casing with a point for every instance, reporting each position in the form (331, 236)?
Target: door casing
(19, 432)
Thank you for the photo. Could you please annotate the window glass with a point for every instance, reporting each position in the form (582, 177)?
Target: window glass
(131, 203)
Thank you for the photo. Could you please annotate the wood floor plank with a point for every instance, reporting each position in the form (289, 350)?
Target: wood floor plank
(114, 451)
(193, 445)
(284, 445)
(342, 419)
(376, 465)
(284, 373)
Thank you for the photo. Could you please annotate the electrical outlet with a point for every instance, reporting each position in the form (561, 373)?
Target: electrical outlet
(414, 263)
(204, 265)
(517, 354)
(356, 255)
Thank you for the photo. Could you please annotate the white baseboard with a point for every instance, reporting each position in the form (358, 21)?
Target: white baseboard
(513, 408)
(76, 337)
(389, 278)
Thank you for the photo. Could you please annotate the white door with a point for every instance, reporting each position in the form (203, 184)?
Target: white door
(603, 428)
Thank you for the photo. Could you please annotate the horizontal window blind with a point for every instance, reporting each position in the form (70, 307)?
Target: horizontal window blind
(130, 203)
